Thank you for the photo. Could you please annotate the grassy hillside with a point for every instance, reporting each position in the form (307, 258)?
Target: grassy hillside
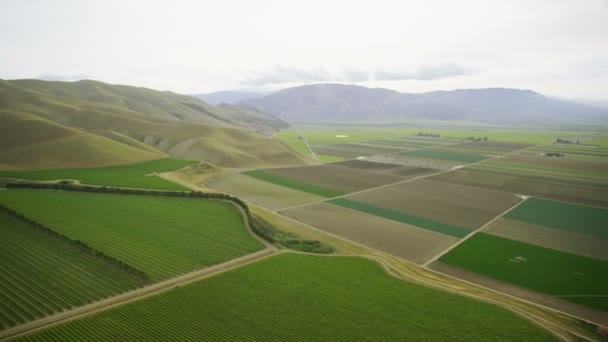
(89, 124)
(293, 297)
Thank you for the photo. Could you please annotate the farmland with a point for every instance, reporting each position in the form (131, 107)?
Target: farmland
(41, 274)
(343, 179)
(354, 150)
(409, 161)
(391, 236)
(537, 268)
(383, 168)
(293, 183)
(260, 192)
(569, 217)
(303, 297)
(452, 204)
(161, 236)
(132, 176)
(445, 154)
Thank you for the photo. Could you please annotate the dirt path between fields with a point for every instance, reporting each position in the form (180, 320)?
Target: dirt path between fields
(314, 155)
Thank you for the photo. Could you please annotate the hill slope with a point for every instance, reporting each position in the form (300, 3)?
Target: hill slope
(340, 103)
(88, 123)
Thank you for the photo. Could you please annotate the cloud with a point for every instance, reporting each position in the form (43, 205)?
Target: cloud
(423, 73)
(286, 75)
(56, 77)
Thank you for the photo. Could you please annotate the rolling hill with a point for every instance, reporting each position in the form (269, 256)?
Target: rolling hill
(349, 103)
(88, 124)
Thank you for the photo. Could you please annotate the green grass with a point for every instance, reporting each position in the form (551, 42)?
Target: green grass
(131, 176)
(445, 155)
(161, 236)
(569, 217)
(290, 137)
(41, 274)
(293, 297)
(324, 158)
(293, 184)
(546, 168)
(398, 216)
(545, 270)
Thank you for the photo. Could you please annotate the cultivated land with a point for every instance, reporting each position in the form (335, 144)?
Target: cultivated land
(140, 175)
(452, 204)
(161, 236)
(403, 240)
(565, 241)
(569, 217)
(354, 150)
(295, 184)
(409, 161)
(492, 146)
(562, 188)
(598, 167)
(303, 297)
(261, 192)
(537, 268)
(337, 178)
(41, 274)
(383, 168)
(445, 154)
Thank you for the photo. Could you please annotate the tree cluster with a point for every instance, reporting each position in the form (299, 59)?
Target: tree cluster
(425, 134)
(472, 138)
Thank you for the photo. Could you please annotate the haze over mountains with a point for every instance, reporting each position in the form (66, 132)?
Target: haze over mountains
(228, 96)
(47, 124)
(350, 103)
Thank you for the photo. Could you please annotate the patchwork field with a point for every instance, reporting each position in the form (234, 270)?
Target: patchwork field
(354, 150)
(409, 161)
(560, 188)
(497, 147)
(131, 176)
(451, 204)
(295, 184)
(161, 236)
(446, 154)
(41, 274)
(565, 241)
(261, 192)
(341, 179)
(383, 168)
(541, 269)
(304, 298)
(403, 240)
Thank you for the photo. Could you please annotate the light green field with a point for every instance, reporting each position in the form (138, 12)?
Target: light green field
(131, 176)
(41, 274)
(547, 168)
(161, 236)
(436, 226)
(290, 137)
(293, 297)
(537, 268)
(293, 184)
(569, 217)
(445, 155)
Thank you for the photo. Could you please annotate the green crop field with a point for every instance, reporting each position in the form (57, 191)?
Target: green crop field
(41, 274)
(536, 175)
(293, 297)
(445, 155)
(398, 216)
(537, 268)
(161, 236)
(131, 176)
(290, 137)
(293, 184)
(570, 217)
(547, 168)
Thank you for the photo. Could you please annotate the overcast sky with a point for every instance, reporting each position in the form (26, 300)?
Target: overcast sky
(559, 48)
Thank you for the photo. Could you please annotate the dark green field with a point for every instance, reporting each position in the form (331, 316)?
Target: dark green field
(570, 217)
(293, 297)
(41, 274)
(293, 184)
(398, 216)
(537, 268)
(129, 176)
(446, 155)
(161, 236)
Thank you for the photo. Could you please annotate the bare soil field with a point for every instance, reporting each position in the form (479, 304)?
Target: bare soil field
(260, 192)
(551, 238)
(450, 203)
(520, 292)
(354, 150)
(398, 159)
(337, 178)
(563, 190)
(384, 168)
(402, 240)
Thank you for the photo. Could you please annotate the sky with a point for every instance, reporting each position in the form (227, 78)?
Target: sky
(558, 48)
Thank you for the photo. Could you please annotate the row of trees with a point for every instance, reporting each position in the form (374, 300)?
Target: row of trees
(425, 134)
(472, 138)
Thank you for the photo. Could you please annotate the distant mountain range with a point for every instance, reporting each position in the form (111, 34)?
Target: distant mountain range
(348, 103)
(228, 96)
(46, 124)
